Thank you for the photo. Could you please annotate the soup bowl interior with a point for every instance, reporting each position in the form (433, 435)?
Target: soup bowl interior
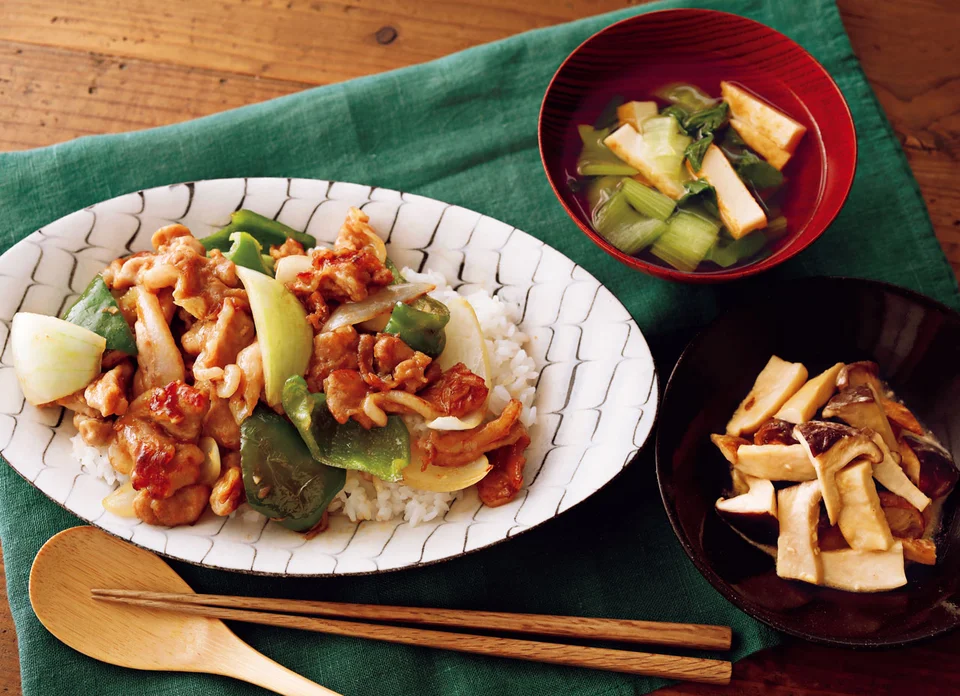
(635, 57)
(916, 343)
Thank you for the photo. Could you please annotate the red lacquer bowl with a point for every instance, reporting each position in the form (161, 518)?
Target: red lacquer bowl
(634, 57)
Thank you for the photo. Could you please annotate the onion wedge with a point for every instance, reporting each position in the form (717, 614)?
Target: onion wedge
(380, 302)
(120, 502)
(53, 358)
(445, 479)
(289, 267)
(210, 469)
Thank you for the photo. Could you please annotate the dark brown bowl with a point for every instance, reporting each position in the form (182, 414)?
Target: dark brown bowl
(637, 55)
(817, 321)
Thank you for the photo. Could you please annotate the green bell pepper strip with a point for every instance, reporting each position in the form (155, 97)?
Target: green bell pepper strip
(246, 252)
(383, 452)
(266, 231)
(397, 275)
(280, 477)
(419, 324)
(421, 329)
(97, 309)
(269, 263)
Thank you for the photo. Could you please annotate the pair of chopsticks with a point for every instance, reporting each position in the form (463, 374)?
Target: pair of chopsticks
(298, 614)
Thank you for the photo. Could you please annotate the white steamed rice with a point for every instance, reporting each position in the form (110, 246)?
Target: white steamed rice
(94, 461)
(367, 498)
(514, 377)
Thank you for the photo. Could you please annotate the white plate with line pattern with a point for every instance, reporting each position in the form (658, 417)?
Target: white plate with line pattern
(596, 396)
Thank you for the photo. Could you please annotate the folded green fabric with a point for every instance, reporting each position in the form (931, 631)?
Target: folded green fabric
(462, 130)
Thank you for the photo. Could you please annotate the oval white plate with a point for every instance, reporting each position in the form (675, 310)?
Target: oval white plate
(596, 397)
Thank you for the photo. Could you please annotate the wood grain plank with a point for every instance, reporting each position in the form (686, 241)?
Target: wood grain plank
(296, 40)
(908, 51)
(49, 95)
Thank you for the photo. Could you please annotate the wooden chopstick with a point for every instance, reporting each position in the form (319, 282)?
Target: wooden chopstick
(642, 663)
(623, 630)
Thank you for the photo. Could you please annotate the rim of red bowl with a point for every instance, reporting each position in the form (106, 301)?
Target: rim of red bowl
(787, 252)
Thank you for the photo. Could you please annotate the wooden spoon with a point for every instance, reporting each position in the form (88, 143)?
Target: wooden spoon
(77, 560)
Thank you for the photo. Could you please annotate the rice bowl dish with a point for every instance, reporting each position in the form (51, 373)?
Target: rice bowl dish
(192, 437)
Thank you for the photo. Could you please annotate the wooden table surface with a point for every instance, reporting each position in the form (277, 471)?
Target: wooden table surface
(78, 67)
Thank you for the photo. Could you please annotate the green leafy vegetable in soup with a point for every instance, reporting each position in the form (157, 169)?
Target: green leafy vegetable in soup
(696, 150)
(695, 186)
(761, 175)
(707, 120)
(596, 159)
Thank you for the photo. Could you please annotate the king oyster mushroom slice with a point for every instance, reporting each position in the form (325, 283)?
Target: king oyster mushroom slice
(775, 462)
(861, 408)
(857, 374)
(798, 510)
(861, 519)
(923, 551)
(864, 571)
(830, 447)
(938, 473)
(904, 520)
(755, 512)
(775, 432)
(728, 444)
(902, 416)
(777, 382)
(803, 405)
(909, 462)
(891, 476)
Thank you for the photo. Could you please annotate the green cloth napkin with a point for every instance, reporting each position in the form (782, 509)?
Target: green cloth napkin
(462, 130)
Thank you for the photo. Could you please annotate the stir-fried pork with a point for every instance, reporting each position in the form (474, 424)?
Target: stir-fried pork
(356, 233)
(460, 447)
(245, 398)
(108, 393)
(156, 439)
(345, 276)
(398, 366)
(94, 431)
(346, 392)
(217, 342)
(200, 283)
(458, 392)
(318, 311)
(333, 350)
(183, 507)
(76, 403)
(228, 493)
(502, 484)
(177, 407)
(291, 247)
(219, 422)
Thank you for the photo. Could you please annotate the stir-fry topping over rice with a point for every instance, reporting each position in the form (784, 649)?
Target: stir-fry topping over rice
(183, 421)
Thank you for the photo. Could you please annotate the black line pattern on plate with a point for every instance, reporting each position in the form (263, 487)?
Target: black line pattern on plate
(578, 282)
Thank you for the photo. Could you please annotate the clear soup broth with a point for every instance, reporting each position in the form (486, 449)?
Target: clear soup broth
(598, 191)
